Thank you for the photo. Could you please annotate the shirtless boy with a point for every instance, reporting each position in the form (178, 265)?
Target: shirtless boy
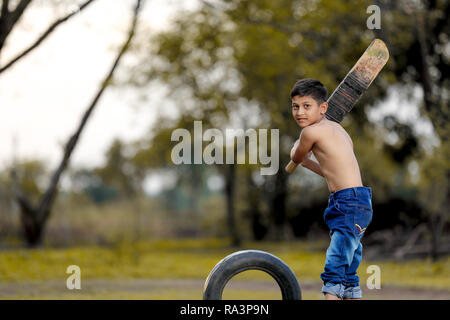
(349, 210)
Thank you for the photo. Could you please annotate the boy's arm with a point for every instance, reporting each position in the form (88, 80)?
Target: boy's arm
(304, 145)
(313, 166)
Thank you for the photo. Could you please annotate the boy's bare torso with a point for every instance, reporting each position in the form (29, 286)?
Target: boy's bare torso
(333, 150)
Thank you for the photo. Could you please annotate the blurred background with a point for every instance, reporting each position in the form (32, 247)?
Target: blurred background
(91, 91)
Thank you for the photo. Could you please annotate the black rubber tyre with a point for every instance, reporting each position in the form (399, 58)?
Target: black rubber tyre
(251, 260)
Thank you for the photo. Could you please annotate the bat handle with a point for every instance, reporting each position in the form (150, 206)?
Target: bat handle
(291, 166)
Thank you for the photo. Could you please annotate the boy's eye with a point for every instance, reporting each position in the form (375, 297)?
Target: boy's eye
(307, 105)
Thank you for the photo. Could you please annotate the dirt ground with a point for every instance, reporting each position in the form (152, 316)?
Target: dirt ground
(173, 289)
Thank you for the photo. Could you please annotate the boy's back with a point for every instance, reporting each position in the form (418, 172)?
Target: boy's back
(333, 149)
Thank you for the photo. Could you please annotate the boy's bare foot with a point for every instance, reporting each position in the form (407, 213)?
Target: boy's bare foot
(329, 296)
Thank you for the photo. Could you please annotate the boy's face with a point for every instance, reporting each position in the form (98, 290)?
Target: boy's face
(306, 111)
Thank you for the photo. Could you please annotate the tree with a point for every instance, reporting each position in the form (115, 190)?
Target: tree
(417, 31)
(193, 60)
(34, 217)
(118, 171)
(258, 49)
(156, 153)
(267, 45)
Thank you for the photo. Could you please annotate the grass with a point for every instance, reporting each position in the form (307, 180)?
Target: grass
(191, 259)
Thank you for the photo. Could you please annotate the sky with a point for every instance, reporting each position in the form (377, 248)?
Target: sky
(43, 96)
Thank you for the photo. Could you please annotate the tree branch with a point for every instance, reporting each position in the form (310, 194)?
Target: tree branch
(49, 30)
(425, 73)
(5, 11)
(19, 10)
(8, 19)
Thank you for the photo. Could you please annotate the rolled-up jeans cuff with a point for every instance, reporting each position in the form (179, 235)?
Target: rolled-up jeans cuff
(353, 293)
(334, 289)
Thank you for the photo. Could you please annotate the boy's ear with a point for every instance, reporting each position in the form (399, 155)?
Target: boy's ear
(323, 107)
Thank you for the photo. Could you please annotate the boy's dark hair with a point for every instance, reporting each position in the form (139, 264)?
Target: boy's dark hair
(310, 87)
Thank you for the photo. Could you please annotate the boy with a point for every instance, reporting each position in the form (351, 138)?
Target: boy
(349, 210)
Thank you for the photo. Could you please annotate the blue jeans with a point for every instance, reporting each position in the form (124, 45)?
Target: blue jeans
(348, 214)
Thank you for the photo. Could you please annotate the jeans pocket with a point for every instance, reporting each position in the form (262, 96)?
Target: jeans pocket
(333, 212)
(358, 219)
(339, 207)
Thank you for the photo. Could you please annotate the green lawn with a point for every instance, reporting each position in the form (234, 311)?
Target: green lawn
(193, 259)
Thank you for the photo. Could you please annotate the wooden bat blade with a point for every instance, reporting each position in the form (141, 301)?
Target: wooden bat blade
(359, 78)
(354, 84)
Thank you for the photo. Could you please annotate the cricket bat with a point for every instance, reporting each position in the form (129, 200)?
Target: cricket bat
(354, 84)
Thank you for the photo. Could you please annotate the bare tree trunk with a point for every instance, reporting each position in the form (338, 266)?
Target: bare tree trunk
(279, 228)
(34, 219)
(230, 189)
(259, 230)
(425, 74)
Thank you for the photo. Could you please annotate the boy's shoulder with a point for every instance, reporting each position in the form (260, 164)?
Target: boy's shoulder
(321, 126)
(322, 129)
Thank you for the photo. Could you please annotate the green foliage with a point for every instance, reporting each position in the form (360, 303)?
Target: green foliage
(119, 172)
(233, 63)
(239, 60)
(31, 177)
(260, 47)
(435, 181)
(28, 176)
